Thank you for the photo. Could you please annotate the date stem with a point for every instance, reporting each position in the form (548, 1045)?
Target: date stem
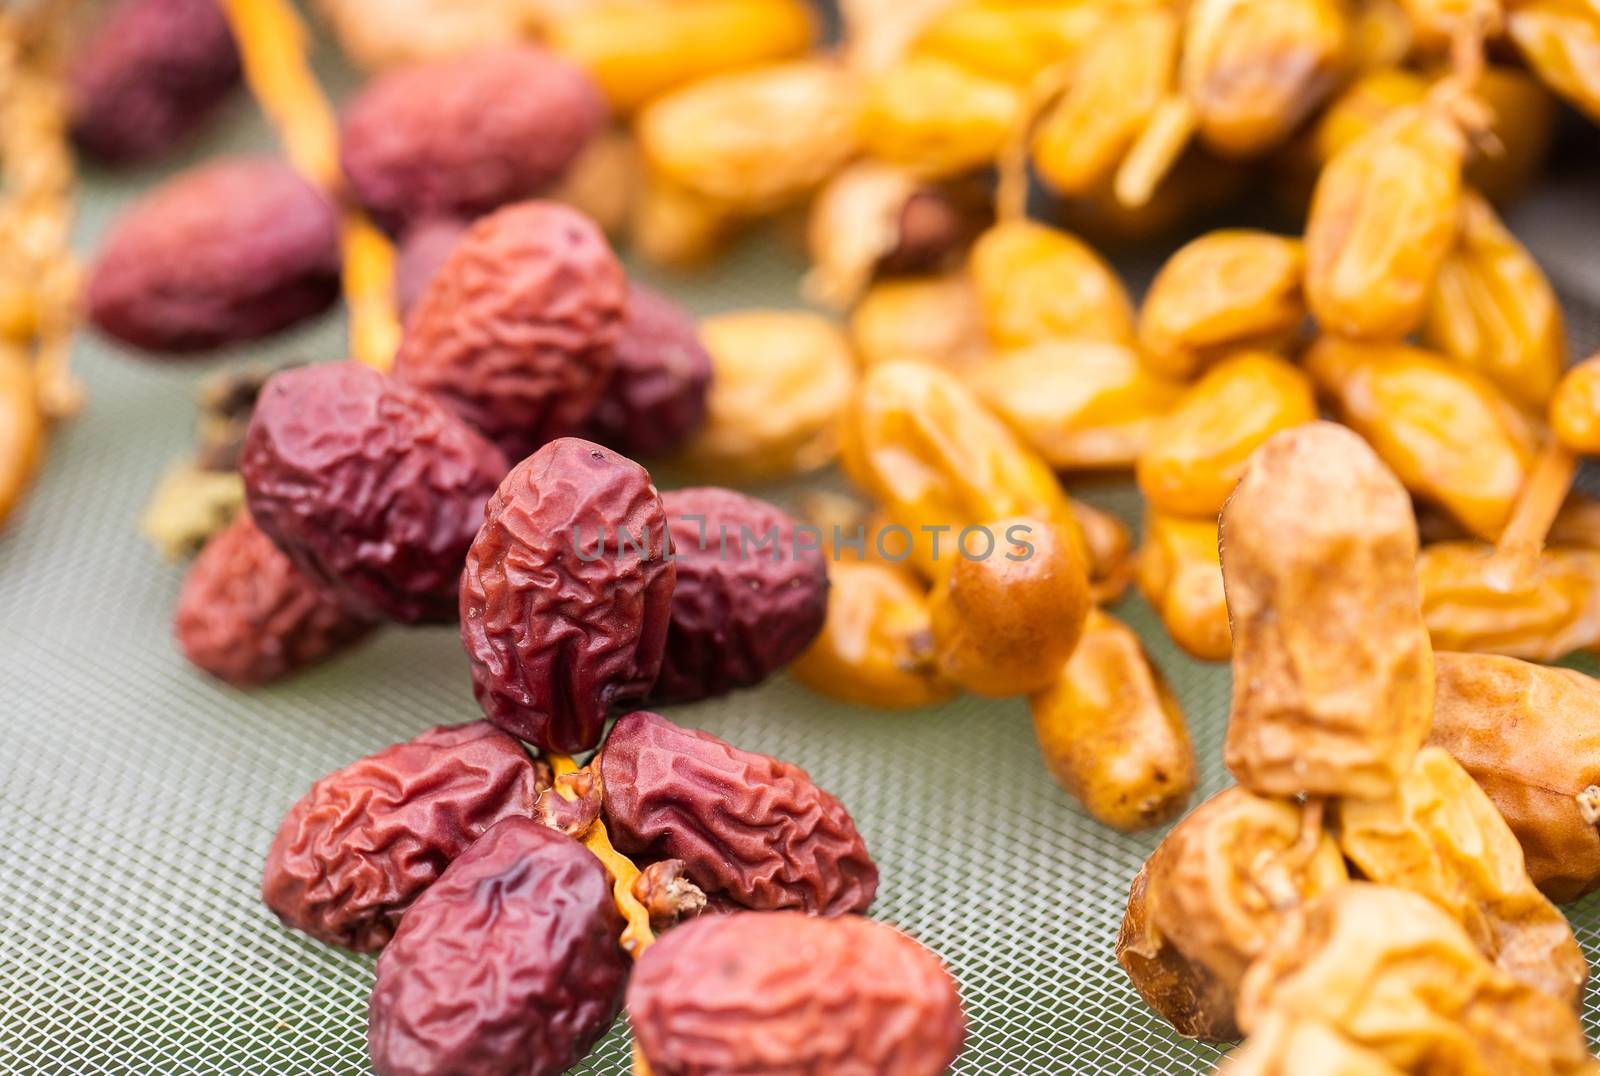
(637, 935)
(1517, 553)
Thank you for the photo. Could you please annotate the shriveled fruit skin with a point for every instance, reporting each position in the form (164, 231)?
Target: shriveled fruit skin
(778, 993)
(1530, 736)
(1188, 996)
(151, 73)
(567, 594)
(465, 136)
(751, 828)
(234, 250)
(509, 965)
(247, 615)
(656, 397)
(355, 851)
(371, 488)
(1553, 611)
(749, 596)
(1332, 667)
(517, 331)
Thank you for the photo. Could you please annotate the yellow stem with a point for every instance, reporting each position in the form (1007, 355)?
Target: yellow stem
(637, 935)
(274, 46)
(1517, 553)
(1164, 138)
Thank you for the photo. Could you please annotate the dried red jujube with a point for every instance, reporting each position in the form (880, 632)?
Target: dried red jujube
(507, 966)
(517, 331)
(749, 598)
(151, 73)
(231, 251)
(467, 135)
(781, 993)
(656, 396)
(354, 852)
(371, 487)
(567, 594)
(418, 256)
(749, 827)
(246, 615)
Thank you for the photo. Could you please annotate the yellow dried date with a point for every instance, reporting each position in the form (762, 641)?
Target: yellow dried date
(1225, 291)
(755, 140)
(1081, 404)
(1575, 408)
(1038, 283)
(1010, 40)
(1383, 218)
(1494, 310)
(1180, 574)
(1452, 437)
(1195, 455)
(1560, 39)
(937, 118)
(933, 319)
(1549, 614)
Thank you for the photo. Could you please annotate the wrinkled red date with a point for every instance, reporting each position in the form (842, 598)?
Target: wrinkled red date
(781, 993)
(151, 72)
(421, 251)
(372, 488)
(567, 594)
(467, 135)
(656, 396)
(508, 964)
(517, 331)
(246, 615)
(746, 826)
(749, 598)
(228, 252)
(355, 851)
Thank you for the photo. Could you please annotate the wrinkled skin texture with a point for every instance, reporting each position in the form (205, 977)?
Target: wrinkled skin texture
(1037, 283)
(246, 615)
(1447, 432)
(562, 612)
(151, 73)
(507, 966)
(1383, 218)
(744, 606)
(876, 646)
(1530, 736)
(1575, 408)
(418, 256)
(1081, 404)
(1493, 309)
(656, 397)
(234, 250)
(463, 137)
(1559, 39)
(1287, 1046)
(746, 826)
(372, 488)
(1228, 290)
(1252, 72)
(1195, 455)
(779, 381)
(784, 993)
(407, 32)
(1390, 972)
(1009, 608)
(754, 140)
(1217, 890)
(354, 852)
(1112, 733)
(1332, 668)
(1119, 79)
(1190, 998)
(517, 330)
(932, 319)
(1441, 836)
(1552, 612)
(933, 456)
(935, 118)
(1180, 574)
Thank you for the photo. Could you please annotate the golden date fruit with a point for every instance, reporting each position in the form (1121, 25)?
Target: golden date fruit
(1575, 408)
(1180, 574)
(1440, 836)
(1530, 736)
(1037, 283)
(1195, 455)
(1332, 668)
(1559, 39)
(932, 319)
(1081, 404)
(1544, 616)
(1450, 435)
(1111, 732)
(1226, 291)
(936, 118)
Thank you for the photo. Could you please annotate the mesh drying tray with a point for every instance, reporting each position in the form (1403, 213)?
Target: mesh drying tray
(137, 798)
